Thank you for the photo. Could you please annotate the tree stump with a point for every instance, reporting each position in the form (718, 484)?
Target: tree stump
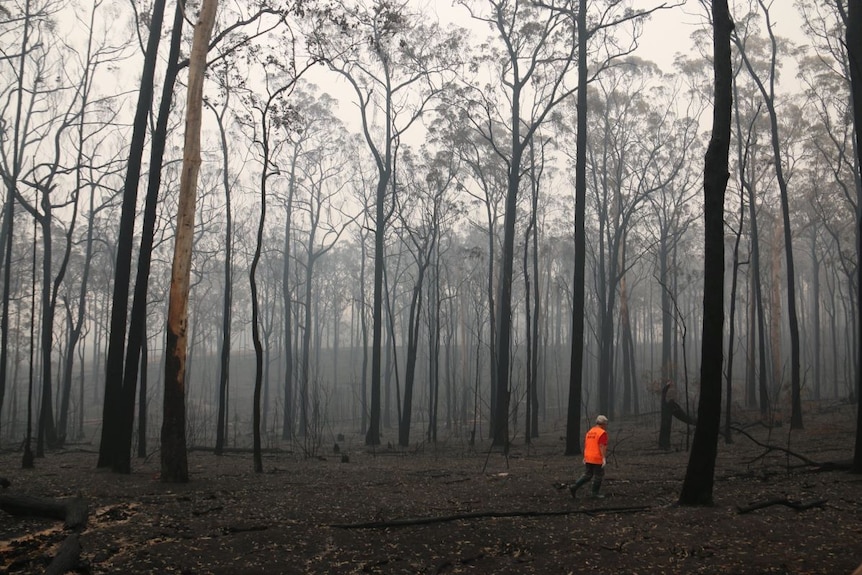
(67, 558)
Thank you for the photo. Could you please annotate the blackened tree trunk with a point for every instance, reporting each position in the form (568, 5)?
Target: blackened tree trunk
(756, 344)
(700, 473)
(142, 399)
(629, 344)
(391, 363)
(668, 313)
(111, 418)
(625, 336)
(666, 415)
(27, 458)
(728, 400)
(10, 181)
(742, 157)
(227, 302)
(815, 313)
(372, 435)
(287, 426)
(763, 383)
(573, 417)
(532, 293)
(606, 21)
(607, 272)
(255, 306)
(412, 353)
(8, 230)
(121, 462)
(421, 243)
(363, 322)
(174, 457)
(265, 125)
(528, 315)
(854, 51)
(668, 370)
(538, 349)
(436, 303)
(46, 429)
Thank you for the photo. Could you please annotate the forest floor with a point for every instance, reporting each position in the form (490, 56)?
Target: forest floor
(455, 509)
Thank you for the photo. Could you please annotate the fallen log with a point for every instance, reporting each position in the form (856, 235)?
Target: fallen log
(72, 511)
(410, 521)
(796, 505)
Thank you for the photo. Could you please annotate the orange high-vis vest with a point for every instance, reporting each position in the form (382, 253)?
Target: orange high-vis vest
(592, 450)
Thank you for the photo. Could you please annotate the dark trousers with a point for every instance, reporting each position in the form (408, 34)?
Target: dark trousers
(593, 471)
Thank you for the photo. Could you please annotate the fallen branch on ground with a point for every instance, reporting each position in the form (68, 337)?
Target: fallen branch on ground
(797, 505)
(409, 521)
(244, 528)
(769, 448)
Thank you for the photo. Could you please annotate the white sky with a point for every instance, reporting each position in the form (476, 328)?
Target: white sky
(666, 34)
(669, 31)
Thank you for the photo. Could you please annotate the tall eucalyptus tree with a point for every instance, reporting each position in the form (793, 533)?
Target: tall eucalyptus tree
(314, 116)
(321, 219)
(826, 76)
(66, 136)
(111, 419)
(122, 368)
(44, 183)
(24, 36)
(268, 115)
(423, 213)
(635, 154)
(227, 305)
(395, 64)
(529, 63)
(483, 179)
(297, 141)
(672, 134)
(119, 439)
(767, 90)
(90, 171)
(697, 487)
(592, 30)
(174, 462)
(532, 297)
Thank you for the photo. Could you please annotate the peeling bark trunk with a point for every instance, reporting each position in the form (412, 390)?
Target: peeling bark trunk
(174, 463)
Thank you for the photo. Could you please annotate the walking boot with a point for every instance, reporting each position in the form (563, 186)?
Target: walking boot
(573, 488)
(594, 488)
